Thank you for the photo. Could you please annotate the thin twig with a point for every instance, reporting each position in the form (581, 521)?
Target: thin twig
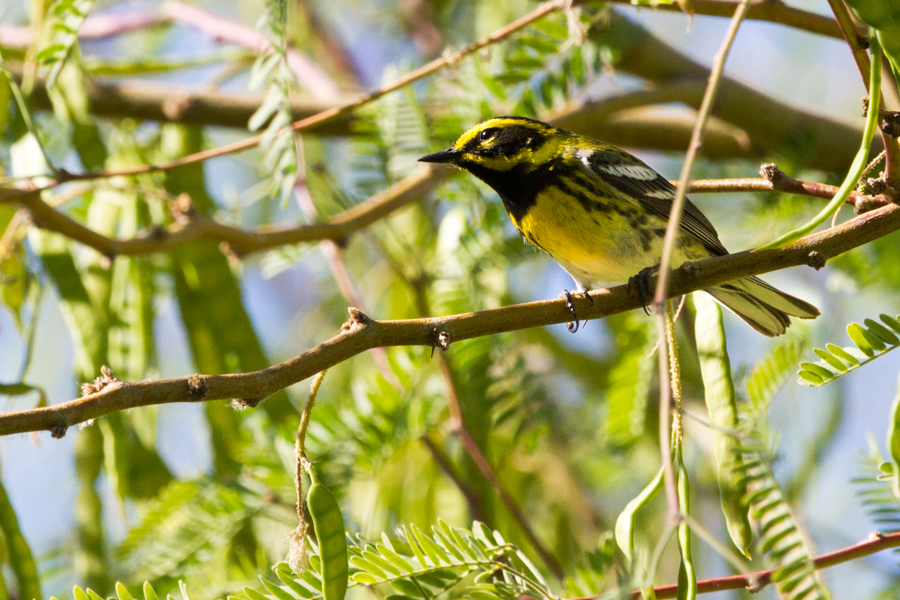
(449, 470)
(457, 425)
(362, 333)
(876, 543)
(853, 37)
(448, 59)
(331, 250)
(240, 241)
(297, 557)
(738, 563)
(672, 231)
(760, 10)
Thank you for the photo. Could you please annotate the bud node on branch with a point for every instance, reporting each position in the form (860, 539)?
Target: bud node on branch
(197, 389)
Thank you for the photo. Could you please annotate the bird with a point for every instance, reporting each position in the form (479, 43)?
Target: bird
(601, 213)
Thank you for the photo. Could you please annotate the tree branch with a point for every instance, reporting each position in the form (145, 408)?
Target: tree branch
(361, 333)
(756, 581)
(239, 241)
(760, 10)
(146, 101)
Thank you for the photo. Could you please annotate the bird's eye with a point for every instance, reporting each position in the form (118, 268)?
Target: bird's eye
(487, 134)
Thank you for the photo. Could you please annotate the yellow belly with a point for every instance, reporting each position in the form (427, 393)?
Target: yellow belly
(601, 246)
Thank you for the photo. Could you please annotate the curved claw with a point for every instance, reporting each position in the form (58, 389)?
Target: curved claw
(571, 326)
(641, 282)
(570, 304)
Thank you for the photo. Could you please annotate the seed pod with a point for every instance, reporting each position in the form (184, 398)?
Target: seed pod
(329, 524)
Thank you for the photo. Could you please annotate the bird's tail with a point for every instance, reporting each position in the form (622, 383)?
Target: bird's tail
(763, 307)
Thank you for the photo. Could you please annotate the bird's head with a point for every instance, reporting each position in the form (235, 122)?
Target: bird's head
(502, 144)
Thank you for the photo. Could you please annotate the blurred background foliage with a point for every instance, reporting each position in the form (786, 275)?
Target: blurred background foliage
(204, 493)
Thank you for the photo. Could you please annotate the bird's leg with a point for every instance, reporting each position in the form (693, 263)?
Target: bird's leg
(570, 304)
(641, 282)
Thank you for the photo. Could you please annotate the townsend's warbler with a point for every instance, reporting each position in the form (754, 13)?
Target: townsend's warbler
(601, 213)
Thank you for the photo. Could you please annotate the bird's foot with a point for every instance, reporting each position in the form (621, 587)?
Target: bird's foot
(641, 283)
(570, 304)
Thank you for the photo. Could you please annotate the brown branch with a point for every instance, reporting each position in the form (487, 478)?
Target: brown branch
(756, 581)
(240, 241)
(96, 26)
(361, 333)
(760, 10)
(854, 37)
(177, 104)
(447, 467)
(470, 444)
(337, 229)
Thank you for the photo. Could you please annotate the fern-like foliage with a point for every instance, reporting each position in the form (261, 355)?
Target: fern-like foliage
(66, 18)
(122, 593)
(190, 523)
(591, 574)
(781, 539)
(872, 339)
(419, 565)
(271, 69)
(629, 381)
(876, 493)
(765, 379)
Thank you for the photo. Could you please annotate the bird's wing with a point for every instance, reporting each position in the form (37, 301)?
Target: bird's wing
(636, 181)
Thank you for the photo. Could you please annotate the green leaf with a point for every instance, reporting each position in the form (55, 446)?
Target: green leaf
(872, 341)
(625, 522)
(893, 442)
(718, 388)
(122, 592)
(687, 574)
(18, 553)
(831, 359)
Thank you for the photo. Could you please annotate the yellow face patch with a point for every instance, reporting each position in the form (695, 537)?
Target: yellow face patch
(474, 150)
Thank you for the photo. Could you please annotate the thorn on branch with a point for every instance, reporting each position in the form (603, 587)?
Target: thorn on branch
(815, 260)
(62, 175)
(245, 403)
(358, 319)
(105, 380)
(755, 584)
(442, 341)
(890, 123)
(780, 180)
(874, 186)
(158, 233)
(197, 389)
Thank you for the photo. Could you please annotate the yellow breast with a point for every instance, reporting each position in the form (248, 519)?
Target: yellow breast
(598, 244)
